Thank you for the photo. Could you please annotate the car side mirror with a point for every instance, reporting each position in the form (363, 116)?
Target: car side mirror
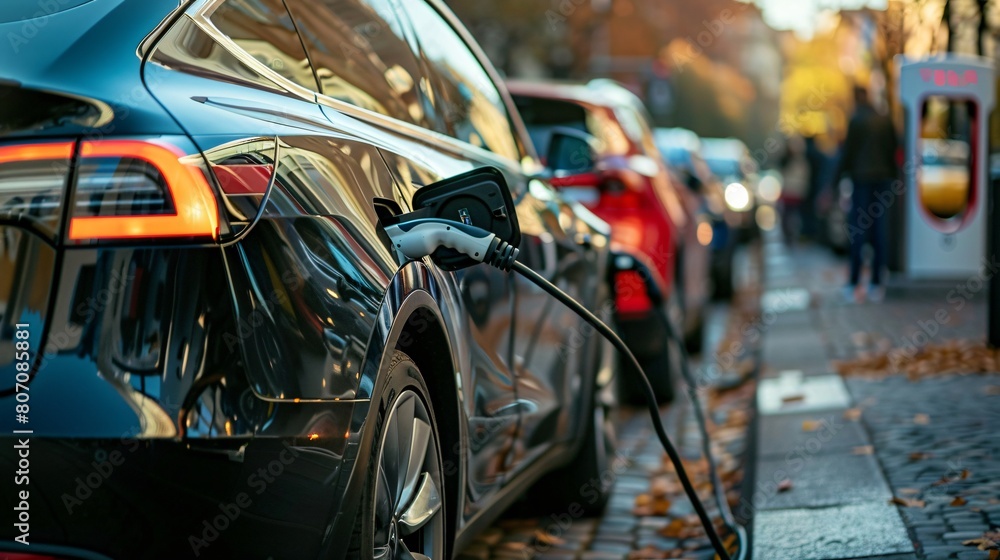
(692, 181)
(571, 152)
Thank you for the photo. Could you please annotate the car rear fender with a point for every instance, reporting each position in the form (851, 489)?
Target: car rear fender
(414, 319)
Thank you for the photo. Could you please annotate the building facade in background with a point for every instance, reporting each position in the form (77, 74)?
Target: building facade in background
(712, 66)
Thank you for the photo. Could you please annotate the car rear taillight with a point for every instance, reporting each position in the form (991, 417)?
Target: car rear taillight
(624, 189)
(133, 189)
(631, 294)
(32, 182)
(122, 190)
(29, 556)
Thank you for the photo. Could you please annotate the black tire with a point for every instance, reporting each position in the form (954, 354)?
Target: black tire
(658, 370)
(722, 276)
(387, 511)
(694, 339)
(648, 339)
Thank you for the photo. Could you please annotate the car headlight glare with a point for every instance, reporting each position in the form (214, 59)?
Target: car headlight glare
(737, 197)
(769, 188)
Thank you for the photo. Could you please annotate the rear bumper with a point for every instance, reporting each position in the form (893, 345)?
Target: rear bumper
(134, 499)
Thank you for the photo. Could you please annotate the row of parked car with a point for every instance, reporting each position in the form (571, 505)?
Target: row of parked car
(211, 347)
(678, 202)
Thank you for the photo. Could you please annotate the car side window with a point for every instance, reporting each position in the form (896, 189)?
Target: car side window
(360, 54)
(465, 95)
(264, 29)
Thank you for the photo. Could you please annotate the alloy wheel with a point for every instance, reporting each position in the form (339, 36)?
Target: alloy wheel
(408, 508)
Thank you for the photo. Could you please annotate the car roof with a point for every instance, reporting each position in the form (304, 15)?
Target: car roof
(678, 139)
(600, 93)
(723, 148)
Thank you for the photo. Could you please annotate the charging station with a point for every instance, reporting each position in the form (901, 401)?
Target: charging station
(948, 100)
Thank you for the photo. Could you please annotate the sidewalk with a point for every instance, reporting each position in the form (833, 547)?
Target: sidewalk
(875, 467)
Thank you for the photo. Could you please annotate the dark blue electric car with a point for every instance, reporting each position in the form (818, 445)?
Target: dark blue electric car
(208, 349)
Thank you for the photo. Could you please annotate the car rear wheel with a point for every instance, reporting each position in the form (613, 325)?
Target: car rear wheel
(722, 275)
(402, 514)
(657, 367)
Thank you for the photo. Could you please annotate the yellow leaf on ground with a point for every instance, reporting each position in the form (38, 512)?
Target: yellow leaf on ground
(545, 537)
(906, 502)
(648, 553)
(810, 425)
(982, 543)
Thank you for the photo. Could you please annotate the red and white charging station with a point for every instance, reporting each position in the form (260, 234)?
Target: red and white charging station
(948, 100)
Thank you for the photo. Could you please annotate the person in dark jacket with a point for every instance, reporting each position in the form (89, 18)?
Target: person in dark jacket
(868, 158)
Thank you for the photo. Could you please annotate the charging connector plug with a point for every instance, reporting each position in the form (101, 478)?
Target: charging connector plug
(418, 238)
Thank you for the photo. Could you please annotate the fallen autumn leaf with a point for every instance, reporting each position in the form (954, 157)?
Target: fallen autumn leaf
(907, 502)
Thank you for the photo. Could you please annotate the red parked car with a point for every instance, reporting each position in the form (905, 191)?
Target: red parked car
(629, 187)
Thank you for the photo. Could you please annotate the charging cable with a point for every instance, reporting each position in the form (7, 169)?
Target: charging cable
(418, 238)
(626, 262)
(706, 446)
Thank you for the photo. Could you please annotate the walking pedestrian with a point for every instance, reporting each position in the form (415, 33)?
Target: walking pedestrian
(794, 189)
(868, 159)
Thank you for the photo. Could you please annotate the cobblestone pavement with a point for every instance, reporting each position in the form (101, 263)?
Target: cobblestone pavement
(618, 534)
(939, 444)
(935, 439)
(647, 516)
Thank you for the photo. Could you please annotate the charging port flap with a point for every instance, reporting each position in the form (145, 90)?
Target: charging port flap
(477, 198)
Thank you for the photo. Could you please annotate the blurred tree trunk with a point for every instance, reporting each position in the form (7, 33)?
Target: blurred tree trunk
(946, 21)
(983, 27)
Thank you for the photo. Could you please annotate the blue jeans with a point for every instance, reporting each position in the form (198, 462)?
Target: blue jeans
(867, 224)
